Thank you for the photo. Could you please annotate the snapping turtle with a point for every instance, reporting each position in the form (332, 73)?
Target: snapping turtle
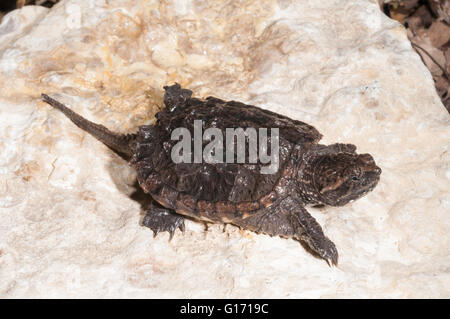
(237, 192)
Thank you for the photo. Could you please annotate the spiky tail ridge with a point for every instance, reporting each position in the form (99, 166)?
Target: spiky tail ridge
(120, 143)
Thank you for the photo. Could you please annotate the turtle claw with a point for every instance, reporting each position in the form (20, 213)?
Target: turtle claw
(163, 219)
(324, 248)
(332, 260)
(171, 233)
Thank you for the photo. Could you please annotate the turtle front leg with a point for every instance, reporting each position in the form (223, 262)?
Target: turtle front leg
(308, 230)
(290, 219)
(161, 219)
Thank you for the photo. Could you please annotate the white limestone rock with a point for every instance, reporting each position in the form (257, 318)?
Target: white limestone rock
(69, 222)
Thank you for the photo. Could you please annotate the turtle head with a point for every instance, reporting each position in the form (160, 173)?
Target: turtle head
(343, 177)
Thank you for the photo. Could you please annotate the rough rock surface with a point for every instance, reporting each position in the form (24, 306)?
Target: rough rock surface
(69, 209)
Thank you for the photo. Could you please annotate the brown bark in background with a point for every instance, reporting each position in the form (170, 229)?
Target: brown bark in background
(428, 26)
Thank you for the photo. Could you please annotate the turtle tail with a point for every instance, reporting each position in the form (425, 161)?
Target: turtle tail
(123, 144)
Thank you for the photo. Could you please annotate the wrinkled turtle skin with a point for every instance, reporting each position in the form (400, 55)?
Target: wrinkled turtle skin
(238, 193)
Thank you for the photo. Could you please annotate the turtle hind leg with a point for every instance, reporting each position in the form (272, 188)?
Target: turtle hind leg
(161, 219)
